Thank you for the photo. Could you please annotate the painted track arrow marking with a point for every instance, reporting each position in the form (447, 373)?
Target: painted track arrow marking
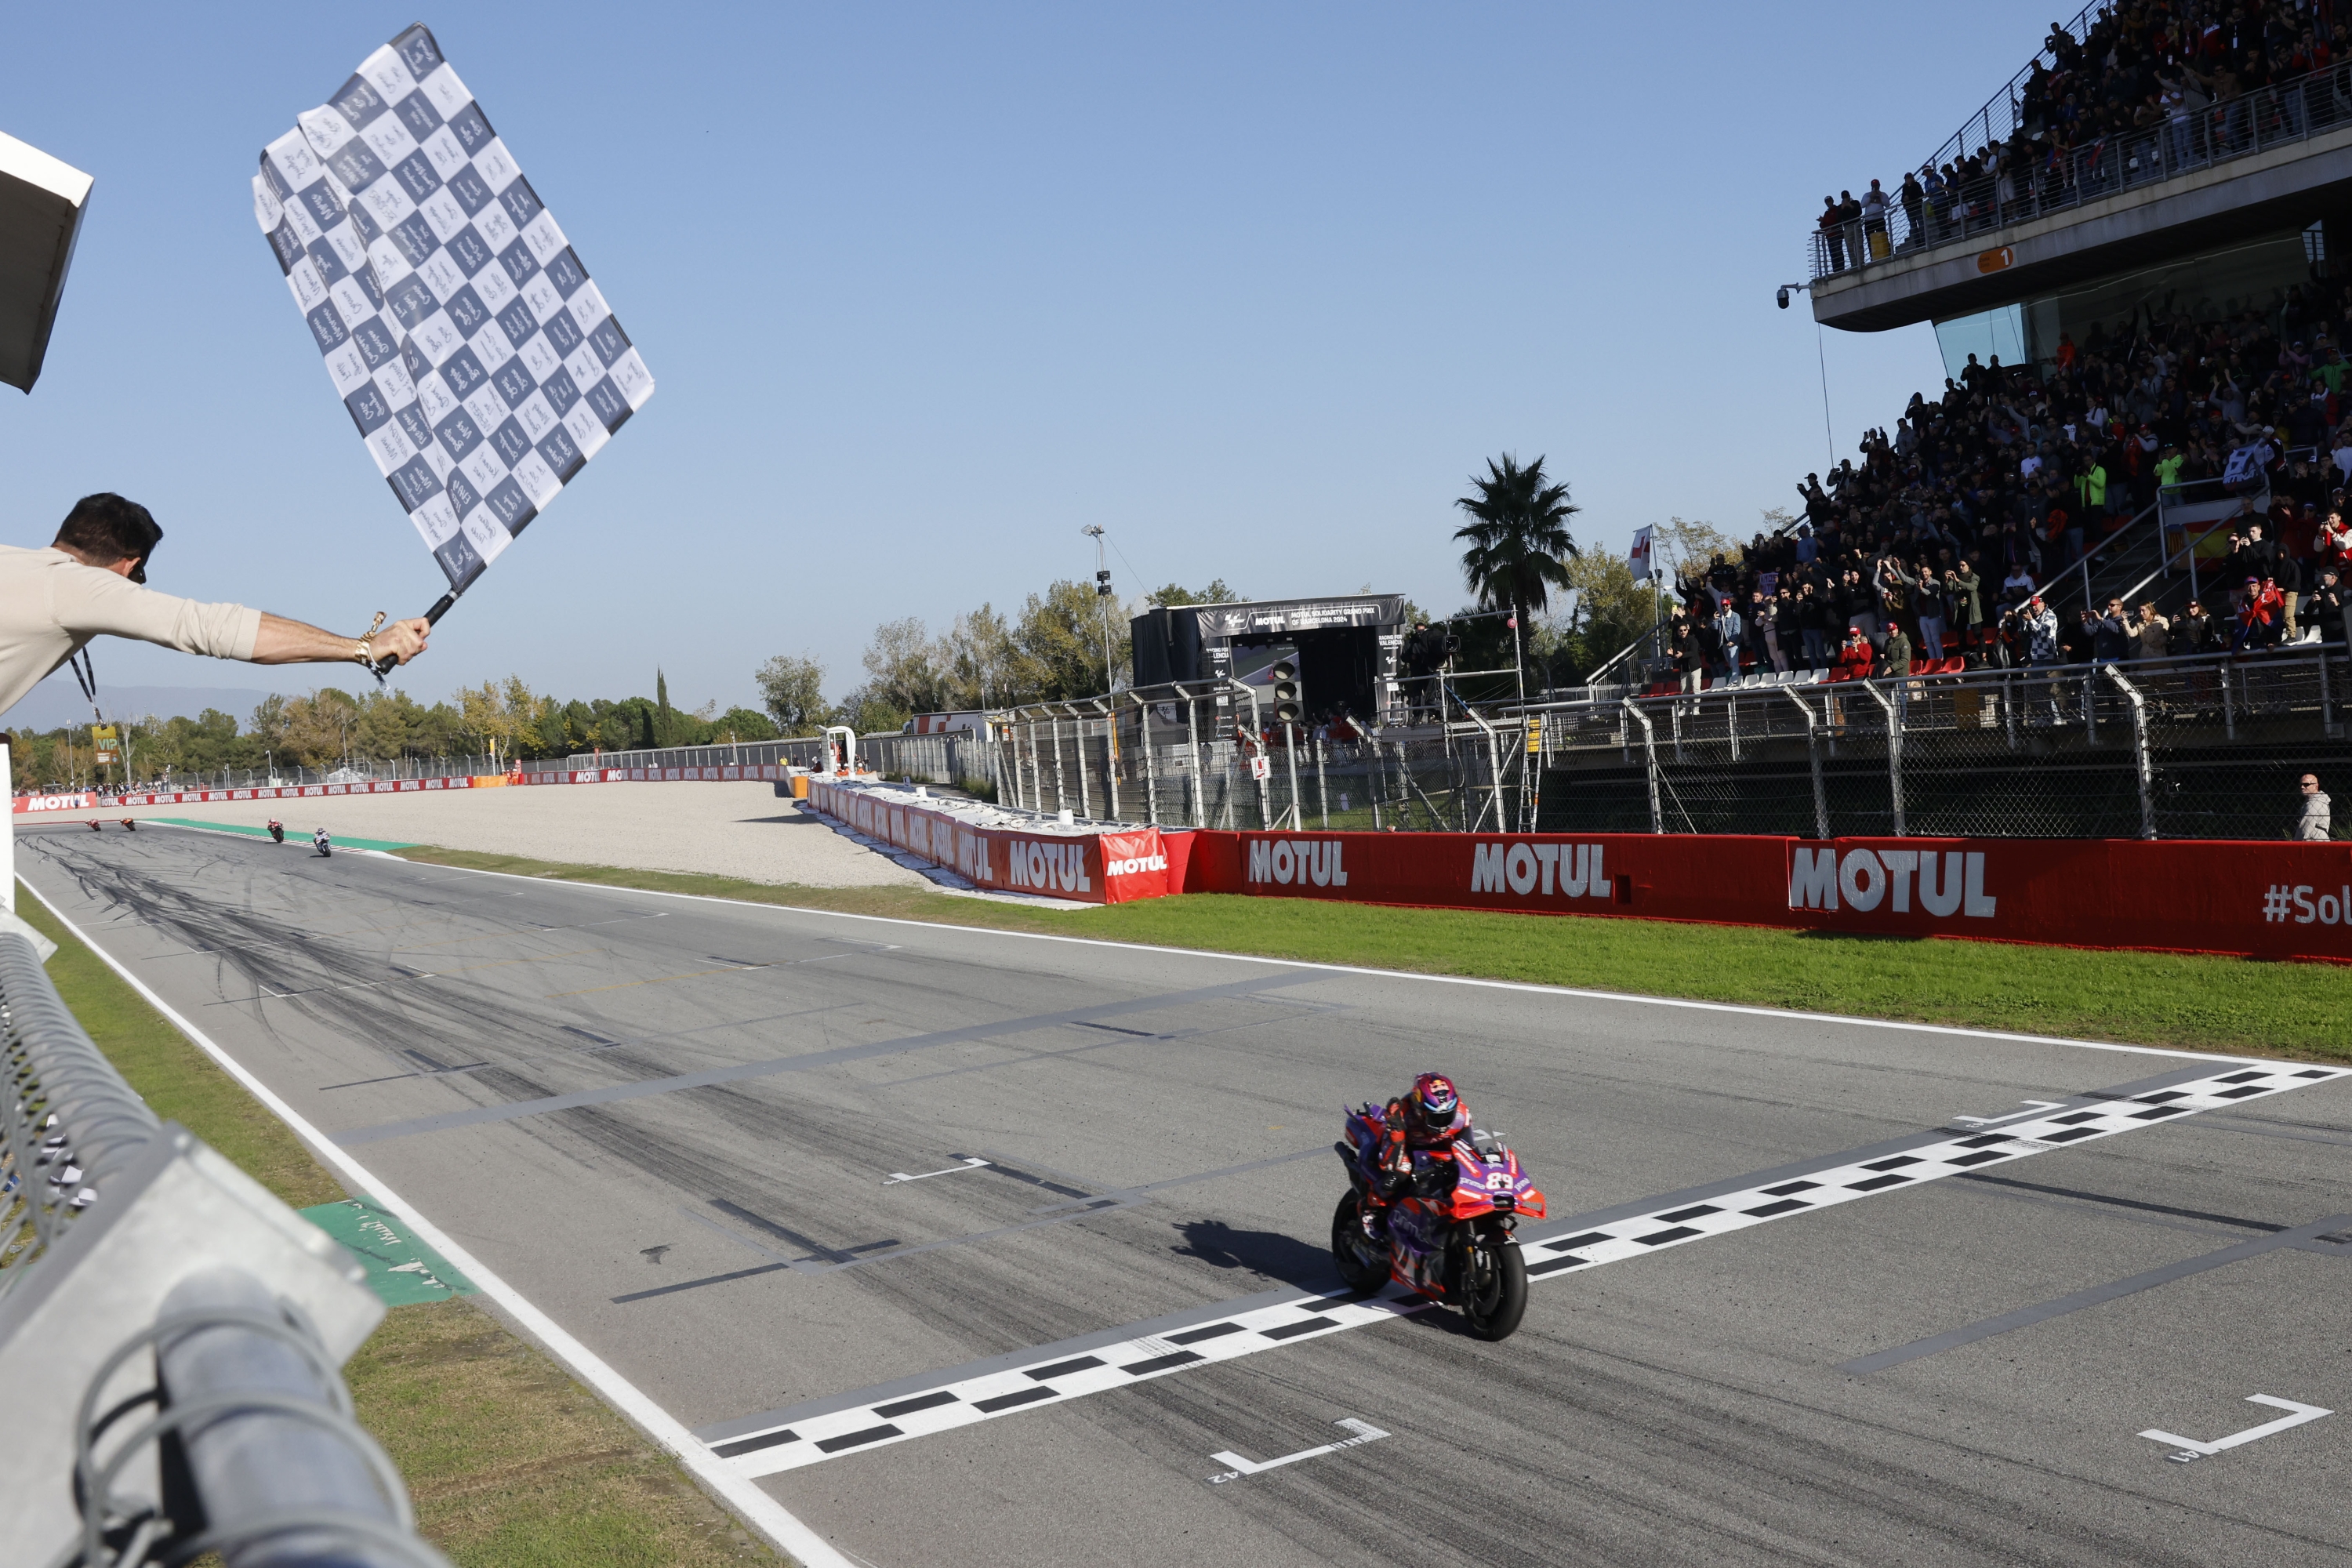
(2192, 1449)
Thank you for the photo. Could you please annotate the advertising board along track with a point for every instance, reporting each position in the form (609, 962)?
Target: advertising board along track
(2254, 899)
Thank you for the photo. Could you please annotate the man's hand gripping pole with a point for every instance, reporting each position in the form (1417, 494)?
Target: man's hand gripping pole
(382, 666)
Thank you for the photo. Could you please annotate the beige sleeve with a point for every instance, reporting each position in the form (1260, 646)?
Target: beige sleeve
(90, 602)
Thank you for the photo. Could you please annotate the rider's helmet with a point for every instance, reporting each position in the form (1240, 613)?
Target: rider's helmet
(1432, 1107)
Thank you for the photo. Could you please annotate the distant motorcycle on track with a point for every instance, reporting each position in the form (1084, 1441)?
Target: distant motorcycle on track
(129, 825)
(326, 845)
(276, 831)
(1444, 1230)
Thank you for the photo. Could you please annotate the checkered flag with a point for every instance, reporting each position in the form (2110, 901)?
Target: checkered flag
(473, 351)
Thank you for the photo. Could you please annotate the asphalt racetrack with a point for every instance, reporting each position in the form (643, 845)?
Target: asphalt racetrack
(983, 1249)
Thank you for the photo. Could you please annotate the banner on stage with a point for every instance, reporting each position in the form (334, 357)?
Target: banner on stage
(466, 341)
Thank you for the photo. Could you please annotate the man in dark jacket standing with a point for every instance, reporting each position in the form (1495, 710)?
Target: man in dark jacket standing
(2111, 637)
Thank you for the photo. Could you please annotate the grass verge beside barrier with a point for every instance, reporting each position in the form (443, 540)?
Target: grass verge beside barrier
(509, 1461)
(2145, 999)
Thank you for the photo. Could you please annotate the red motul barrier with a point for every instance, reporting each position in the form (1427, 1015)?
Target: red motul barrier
(90, 799)
(2262, 899)
(1094, 869)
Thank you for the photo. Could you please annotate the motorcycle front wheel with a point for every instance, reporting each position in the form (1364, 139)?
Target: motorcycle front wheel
(1494, 1287)
(1363, 1263)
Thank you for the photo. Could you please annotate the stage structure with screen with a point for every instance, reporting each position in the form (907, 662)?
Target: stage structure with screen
(1347, 648)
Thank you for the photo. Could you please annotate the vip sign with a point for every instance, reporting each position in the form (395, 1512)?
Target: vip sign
(1945, 882)
(1298, 862)
(1542, 870)
(107, 743)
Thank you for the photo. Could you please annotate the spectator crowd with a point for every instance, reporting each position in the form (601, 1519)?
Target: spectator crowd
(2150, 89)
(1934, 548)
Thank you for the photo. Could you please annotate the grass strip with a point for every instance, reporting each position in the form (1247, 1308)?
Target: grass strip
(179, 1082)
(509, 1461)
(2144, 998)
(299, 837)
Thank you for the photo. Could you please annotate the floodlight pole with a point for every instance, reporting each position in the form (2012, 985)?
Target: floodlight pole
(1102, 593)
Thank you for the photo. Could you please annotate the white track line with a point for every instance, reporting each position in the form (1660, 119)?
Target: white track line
(756, 1508)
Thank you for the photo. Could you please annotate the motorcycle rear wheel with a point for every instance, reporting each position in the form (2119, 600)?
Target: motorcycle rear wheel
(1363, 1264)
(1495, 1287)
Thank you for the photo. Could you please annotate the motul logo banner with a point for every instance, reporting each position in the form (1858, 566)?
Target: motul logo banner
(1319, 862)
(1922, 875)
(2269, 899)
(1541, 868)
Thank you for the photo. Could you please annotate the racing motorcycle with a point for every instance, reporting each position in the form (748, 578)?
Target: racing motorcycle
(129, 825)
(276, 831)
(326, 845)
(1446, 1232)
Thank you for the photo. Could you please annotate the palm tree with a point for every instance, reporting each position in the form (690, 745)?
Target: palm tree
(1518, 541)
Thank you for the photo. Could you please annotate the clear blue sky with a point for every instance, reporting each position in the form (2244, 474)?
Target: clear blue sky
(929, 289)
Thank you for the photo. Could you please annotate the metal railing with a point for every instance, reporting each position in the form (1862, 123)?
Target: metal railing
(1212, 754)
(807, 751)
(170, 1335)
(2000, 117)
(286, 775)
(2203, 747)
(2216, 132)
(2176, 748)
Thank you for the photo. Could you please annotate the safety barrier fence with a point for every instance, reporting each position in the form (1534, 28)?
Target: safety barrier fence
(2277, 115)
(101, 800)
(2150, 749)
(1199, 754)
(2201, 748)
(286, 775)
(1097, 865)
(171, 1334)
(2269, 899)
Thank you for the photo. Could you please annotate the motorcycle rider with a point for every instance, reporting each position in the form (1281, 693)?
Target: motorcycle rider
(1426, 1118)
(131, 825)
(276, 831)
(326, 846)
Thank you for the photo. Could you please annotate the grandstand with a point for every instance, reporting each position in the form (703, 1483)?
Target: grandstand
(2129, 256)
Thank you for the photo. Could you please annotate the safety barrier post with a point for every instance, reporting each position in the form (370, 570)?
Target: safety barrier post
(1893, 752)
(1058, 802)
(1193, 754)
(1110, 757)
(2139, 751)
(1143, 745)
(1323, 790)
(1813, 756)
(1290, 764)
(1650, 756)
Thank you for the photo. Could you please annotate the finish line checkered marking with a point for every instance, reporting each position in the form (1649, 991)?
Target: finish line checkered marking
(861, 1427)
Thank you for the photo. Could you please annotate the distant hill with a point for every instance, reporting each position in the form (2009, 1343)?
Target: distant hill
(58, 700)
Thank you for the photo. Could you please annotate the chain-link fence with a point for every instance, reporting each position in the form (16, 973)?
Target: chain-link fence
(2158, 748)
(1196, 754)
(2163, 748)
(170, 1335)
